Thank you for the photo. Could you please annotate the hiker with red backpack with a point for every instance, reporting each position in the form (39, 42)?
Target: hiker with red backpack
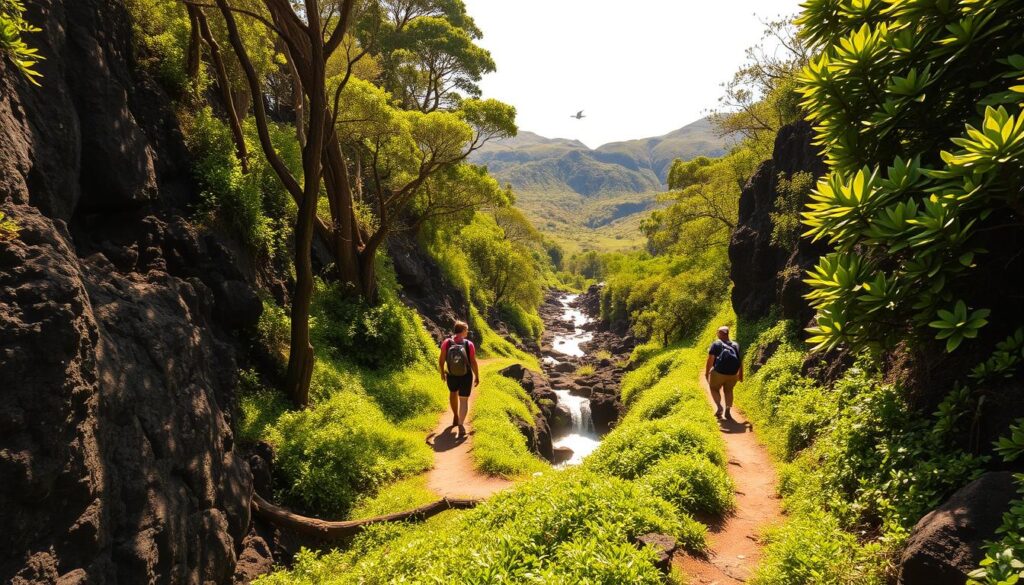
(723, 369)
(459, 369)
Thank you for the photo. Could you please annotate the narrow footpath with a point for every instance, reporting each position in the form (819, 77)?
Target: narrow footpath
(735, 545)
(454, 475)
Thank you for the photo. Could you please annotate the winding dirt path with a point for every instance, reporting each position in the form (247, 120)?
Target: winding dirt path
(454, 475)
(735, 542)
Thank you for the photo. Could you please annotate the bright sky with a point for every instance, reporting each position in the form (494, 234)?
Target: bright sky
(637, 68)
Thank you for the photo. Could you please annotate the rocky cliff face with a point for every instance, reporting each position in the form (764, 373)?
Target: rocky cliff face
(763, 274)
(116, 451)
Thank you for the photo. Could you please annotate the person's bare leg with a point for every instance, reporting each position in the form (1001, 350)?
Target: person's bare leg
(463, 411)
(716, 395)
(453, 400)
(727, 390)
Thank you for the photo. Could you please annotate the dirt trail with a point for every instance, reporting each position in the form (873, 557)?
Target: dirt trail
(453, 474)
(734, 542)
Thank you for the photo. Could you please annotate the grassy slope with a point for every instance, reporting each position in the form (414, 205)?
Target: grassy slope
(663, 463)
(858, 465)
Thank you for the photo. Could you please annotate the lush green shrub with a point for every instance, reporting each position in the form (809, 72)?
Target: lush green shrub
(925, 149)
(815, 550)
(12, 26)
(693, 484)
(230, 197)
(499, 448)
(634, 449)
(343, 447)
(259, 408)
(564, 527)
(863, 462)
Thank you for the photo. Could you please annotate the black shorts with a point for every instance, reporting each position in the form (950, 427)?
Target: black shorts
(461, 384)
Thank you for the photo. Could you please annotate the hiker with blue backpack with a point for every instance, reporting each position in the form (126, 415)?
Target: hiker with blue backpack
(723, 369)
(459, 369)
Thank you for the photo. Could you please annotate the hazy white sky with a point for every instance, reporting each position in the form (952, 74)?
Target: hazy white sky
(637, 68)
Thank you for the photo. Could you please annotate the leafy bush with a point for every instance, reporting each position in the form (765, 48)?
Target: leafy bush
(813, 550)
(693, 484)
(499, 448)
(864, 466)
(632, 450)
(563, 527)
(917, 204)
(330, 454)
(377, 336)
(8, 228)
(230, 196)
(12, 26)
(259, 408)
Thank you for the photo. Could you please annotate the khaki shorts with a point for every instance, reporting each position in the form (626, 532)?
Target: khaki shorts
(725, 381)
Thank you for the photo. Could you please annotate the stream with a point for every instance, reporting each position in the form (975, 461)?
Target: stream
(581, 438)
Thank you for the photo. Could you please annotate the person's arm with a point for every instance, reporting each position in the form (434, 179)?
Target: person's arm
(472, 363)
(440, 362)
(710, 364)
(740, 377)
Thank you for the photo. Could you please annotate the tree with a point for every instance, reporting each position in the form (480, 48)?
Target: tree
(919, 207)
(761, 98)
(704, 199)
(311, 39)
(395, 154)
(429, 52)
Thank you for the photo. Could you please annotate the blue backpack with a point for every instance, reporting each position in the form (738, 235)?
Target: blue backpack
(728, 359)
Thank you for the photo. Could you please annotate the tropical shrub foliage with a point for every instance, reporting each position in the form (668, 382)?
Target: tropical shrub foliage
(916, 199)
(12, 27)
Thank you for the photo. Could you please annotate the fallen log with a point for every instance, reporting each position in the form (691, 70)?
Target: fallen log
(328, 530)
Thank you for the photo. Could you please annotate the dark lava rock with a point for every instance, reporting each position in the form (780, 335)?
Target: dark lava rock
(538, 436)
(561, 455)
(763, 274)
(238, 306)
(663, 544)
(560, 420)
(425, 288)
(605, 410)
(565, 367)
(947, 543)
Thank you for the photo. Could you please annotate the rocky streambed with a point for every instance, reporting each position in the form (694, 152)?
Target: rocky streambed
(579, 390)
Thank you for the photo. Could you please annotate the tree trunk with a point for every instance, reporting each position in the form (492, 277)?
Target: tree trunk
(225, 90)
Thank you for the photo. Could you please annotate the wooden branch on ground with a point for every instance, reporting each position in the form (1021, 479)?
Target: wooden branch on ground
(327, 530)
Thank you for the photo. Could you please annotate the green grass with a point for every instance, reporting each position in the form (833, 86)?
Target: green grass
(498, 446)
(859, 465)
(405, 494)
(365, 426)
(585, 370)
(563, 527)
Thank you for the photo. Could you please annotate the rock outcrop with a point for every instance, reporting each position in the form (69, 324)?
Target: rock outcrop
(116, 451)
(949, 542)
(765, 275)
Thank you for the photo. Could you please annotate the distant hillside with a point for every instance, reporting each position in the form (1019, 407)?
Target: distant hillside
(593, 198)
(535, 164)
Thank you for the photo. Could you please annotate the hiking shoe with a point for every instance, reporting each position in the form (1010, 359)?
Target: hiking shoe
(462, 432)
(718, 412)
(728, 416)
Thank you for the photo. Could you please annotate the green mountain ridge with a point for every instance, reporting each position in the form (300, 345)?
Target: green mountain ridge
(533, 163)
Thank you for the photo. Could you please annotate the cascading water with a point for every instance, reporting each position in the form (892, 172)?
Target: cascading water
(582, 439)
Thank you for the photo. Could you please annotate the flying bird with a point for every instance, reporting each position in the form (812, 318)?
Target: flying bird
(578, 115)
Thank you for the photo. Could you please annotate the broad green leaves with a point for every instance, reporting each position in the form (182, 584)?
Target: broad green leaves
(12, 26)
(911, 187)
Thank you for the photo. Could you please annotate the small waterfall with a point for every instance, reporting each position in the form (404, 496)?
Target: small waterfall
(579, 411)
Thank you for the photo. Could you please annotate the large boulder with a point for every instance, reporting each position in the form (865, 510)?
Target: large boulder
(764, 274)
(948, 543)
(605, 410)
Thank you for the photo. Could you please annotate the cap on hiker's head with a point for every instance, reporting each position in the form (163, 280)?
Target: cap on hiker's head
(724, 329)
